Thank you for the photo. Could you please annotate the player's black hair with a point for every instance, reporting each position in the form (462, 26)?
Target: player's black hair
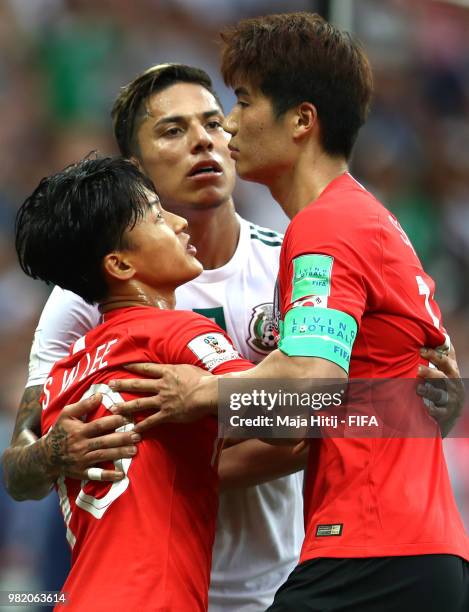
(76, 217)
(300, 57)
(129, 108)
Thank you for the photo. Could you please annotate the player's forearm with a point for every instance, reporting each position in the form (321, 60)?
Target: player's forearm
(276, 365)
(27, 471)
(253, 462)
(27, 468)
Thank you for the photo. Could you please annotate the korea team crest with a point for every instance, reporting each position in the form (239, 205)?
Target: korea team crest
(262, 336)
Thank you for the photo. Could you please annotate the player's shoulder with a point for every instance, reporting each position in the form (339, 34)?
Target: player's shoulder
(187, 337)
(63, 297)
(161, 332)
(68, 308)
(343, 205)
(148, 317)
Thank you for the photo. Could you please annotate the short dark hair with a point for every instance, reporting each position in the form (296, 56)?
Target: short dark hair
(299, 57)
(129, 107)
(76, 217)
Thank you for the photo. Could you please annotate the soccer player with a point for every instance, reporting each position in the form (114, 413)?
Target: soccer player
(382, 528)
(144, 542)
(169, 121)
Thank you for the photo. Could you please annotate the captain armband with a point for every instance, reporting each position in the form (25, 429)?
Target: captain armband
(319, 332)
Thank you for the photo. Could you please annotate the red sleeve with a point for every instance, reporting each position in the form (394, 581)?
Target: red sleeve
(331, 260)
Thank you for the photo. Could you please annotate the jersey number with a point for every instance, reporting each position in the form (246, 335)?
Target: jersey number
(97, 506)
(424, 289)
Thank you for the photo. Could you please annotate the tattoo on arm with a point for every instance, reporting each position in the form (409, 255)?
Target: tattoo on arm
(26, 464)
(29, 413)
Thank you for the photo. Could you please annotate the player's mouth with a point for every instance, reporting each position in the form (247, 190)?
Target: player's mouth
(234, 151)
(190, 248)
(205, 170)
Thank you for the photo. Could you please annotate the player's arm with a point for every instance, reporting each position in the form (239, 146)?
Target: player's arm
(276, 365)
(253, 462)
(27, 473)
(177, 384)
(181, 393)
(32, 464)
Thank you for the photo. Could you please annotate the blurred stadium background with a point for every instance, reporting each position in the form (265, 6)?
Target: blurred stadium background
(61, 64)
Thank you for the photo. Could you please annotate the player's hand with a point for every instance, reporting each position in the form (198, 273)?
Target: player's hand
(443, 387)
(170, 393)
(71, 446)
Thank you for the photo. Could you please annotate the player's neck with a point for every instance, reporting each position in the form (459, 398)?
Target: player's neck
(138, 294)
(214, 233)
(306, 180)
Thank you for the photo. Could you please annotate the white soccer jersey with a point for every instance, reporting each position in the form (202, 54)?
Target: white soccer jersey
(260, 529)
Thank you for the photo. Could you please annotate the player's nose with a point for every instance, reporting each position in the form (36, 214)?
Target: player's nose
(230, 123)
(201, 139)
(177, 223)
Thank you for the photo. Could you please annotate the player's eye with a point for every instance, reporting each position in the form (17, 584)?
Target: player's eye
(242, 103)
(172, 132)
(215, 125)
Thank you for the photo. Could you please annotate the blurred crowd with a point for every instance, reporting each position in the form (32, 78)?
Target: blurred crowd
(62, 63)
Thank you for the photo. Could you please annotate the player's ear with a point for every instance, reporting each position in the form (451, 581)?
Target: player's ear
(118, 266)
(305, 120)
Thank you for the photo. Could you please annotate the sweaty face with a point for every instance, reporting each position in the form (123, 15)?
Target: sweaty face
(160, 250)
(260, 143)
(183, 147)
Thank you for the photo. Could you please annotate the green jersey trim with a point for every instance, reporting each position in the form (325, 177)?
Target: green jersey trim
(272, 244)
(318, 332)
(266, 236)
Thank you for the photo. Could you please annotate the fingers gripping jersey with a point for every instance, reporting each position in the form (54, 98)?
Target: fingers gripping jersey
(353, 291)
(144, 542)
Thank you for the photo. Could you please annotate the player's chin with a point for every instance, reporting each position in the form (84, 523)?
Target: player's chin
(194, 271)
(193, 265)
(244, 171)
(210, 197)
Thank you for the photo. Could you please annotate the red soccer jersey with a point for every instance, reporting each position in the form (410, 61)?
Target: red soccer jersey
(144, 543)
(345, 253)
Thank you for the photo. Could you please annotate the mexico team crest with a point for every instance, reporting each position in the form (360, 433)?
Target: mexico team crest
(262, 336)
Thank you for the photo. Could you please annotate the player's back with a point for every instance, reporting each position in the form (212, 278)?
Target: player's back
(144, 542)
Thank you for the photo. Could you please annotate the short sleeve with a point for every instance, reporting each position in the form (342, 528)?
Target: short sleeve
(65, 318)
(325, 282)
